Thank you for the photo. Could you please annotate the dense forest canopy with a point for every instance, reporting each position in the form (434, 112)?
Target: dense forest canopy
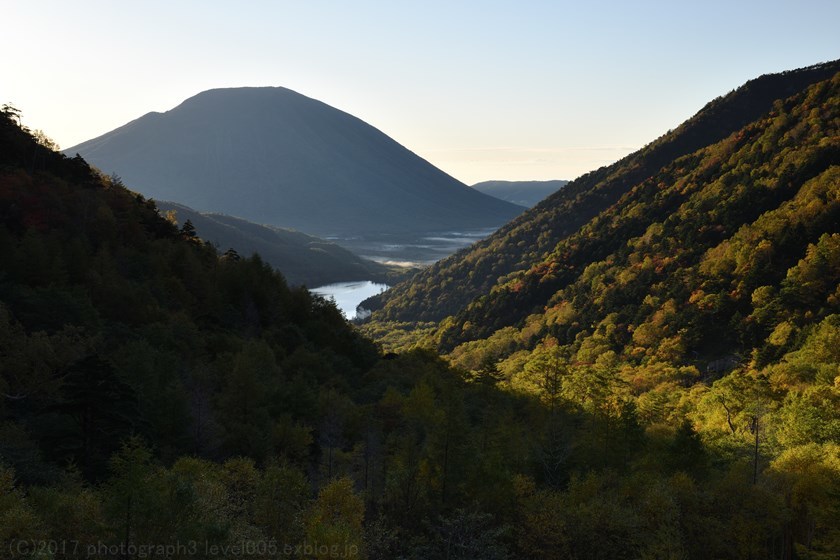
(663, 381)
(451, 284)
(710, 279)
(304, 259)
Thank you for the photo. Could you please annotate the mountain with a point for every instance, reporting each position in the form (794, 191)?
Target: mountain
(302, 258)
(116, 324)
(663, 383)
(523, 193)
(272, 156)
(709, 255)
(526, 242)
(687, 298)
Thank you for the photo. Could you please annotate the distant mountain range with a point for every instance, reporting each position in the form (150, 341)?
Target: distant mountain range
(273, 156)
(523, 193)
(302, 258)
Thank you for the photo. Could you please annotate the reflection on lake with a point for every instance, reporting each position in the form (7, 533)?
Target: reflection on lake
(348, 295)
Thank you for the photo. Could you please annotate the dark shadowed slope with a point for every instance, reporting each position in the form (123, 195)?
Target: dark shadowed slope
(273, 156)
(136, 326)
(523, 193)
(302, 258)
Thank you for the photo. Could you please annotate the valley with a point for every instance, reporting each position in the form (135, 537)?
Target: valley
(419, 249)
(644, 363)
(408, 253)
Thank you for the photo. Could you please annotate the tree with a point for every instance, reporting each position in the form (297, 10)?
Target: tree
(334, 521)
(808, 478)
(331, 430)
(45, 141)
(18, 521)
(96, 412)
(188, 231)
(132, 492)
(231, 255)
(282, 494)
(554, 447)
(11, 113)
(249, 381)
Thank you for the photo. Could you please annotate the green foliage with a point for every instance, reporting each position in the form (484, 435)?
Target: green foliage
(303, 259)
(664, 383)
(334, 520)
(808, 477)
(684, 326)
(466, 535)
(281, 498)
(17, 518)
(113, 322)
(449, 286)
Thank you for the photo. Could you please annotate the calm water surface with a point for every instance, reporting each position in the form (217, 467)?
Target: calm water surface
(348, 295)
(418, 249)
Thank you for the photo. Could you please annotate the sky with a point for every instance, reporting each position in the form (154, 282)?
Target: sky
(524, 90)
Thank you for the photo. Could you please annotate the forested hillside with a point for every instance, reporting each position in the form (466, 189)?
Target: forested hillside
(664, 382)
(114, 322)
(694, 241)
(451, 284)
(304, 259)
(703, 303)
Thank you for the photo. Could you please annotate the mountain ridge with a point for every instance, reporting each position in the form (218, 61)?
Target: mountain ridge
(802, 177)
(526, 240)
(301, 258)
(523, 193)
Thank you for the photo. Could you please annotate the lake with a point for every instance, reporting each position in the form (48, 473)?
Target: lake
(348, 295)
(407, 249)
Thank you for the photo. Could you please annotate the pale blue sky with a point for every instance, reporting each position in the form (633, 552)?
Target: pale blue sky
(484, 90)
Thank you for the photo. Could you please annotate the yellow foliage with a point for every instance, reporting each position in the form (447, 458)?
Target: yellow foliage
(334, 522)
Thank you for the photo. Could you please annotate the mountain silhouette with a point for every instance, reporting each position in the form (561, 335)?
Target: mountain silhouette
(273, 156)
(523, 193)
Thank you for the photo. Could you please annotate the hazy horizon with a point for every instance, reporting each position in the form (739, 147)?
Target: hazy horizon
(484, 91)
